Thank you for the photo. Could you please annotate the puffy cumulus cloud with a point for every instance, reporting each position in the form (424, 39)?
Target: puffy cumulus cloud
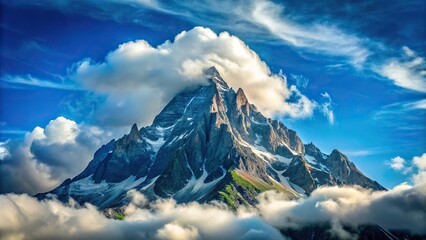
(407, 72)
(60, 130)
(416, 167)
(48, 155)
(300, 106)
(420, 162)
(26, 217)
(420, 165)
(174, 231)
(139, 79)
(4, 152)
(397, 163)
(400, 208)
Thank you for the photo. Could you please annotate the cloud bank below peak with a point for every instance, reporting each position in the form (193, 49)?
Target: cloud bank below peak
(339, 207)
(139, 79)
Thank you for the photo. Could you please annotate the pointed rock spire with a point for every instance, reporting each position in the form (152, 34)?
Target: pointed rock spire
(241, 98)
(213, 75)
(134, 129)
(212, 71)
(312, 150)
(242, 102)
(337, 154)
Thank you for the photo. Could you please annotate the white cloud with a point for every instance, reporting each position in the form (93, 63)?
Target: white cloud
(61, 130)
(326, 108)
(349, 206)
(48, 156)
(400, 109)
(416, 167)
(134, 76)
(356, 153)
(28, 80)
(407, 116)
(250, 18)
(318, 38)
(301, 81)
(26, 217)
(270, 20)
(420, 104)
(397, 163)
(420, 164)
(4, 152)
(174, 231)
(408, 51)
(408, 72)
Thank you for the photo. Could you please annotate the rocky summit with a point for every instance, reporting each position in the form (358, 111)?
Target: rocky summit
(209, 143)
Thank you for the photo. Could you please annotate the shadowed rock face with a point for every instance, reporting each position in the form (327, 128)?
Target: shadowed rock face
(209, 143)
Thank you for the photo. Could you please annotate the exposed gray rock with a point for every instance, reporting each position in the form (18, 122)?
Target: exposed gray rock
(208, 143)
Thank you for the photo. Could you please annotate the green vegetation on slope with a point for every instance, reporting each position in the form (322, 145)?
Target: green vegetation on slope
(119, 216)
(243, 189)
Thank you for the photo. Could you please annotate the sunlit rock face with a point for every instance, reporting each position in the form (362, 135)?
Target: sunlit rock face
(209, 143)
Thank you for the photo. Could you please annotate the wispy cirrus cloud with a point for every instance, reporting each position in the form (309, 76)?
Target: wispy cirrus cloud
(327, 108)
(408, 71)
(407, 115)
(18, 81)
(319, 38)
(274, 23)
(357, 153)
(12, 131)
(300, 80)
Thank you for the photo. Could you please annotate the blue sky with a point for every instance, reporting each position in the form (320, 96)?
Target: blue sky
(361, 61)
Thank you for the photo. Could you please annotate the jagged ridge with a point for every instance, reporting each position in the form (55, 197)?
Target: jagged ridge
(209, 143)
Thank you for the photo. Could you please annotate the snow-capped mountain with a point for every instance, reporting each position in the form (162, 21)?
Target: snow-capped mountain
(209, 143)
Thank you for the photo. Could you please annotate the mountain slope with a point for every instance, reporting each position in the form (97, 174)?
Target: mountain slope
(209, 143)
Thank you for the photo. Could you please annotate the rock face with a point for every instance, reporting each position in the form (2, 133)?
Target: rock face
(209, 143)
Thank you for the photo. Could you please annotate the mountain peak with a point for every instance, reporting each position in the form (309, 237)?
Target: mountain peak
(134, 129)
(213, 74)
(211, 71)
(336, 152)
(206, 143)
(337, 156)
(241, 98)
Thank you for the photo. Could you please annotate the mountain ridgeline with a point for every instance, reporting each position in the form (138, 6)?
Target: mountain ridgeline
(209, 143)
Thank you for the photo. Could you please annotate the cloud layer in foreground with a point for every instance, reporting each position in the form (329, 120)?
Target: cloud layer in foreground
(400, 208)
(139, 79)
